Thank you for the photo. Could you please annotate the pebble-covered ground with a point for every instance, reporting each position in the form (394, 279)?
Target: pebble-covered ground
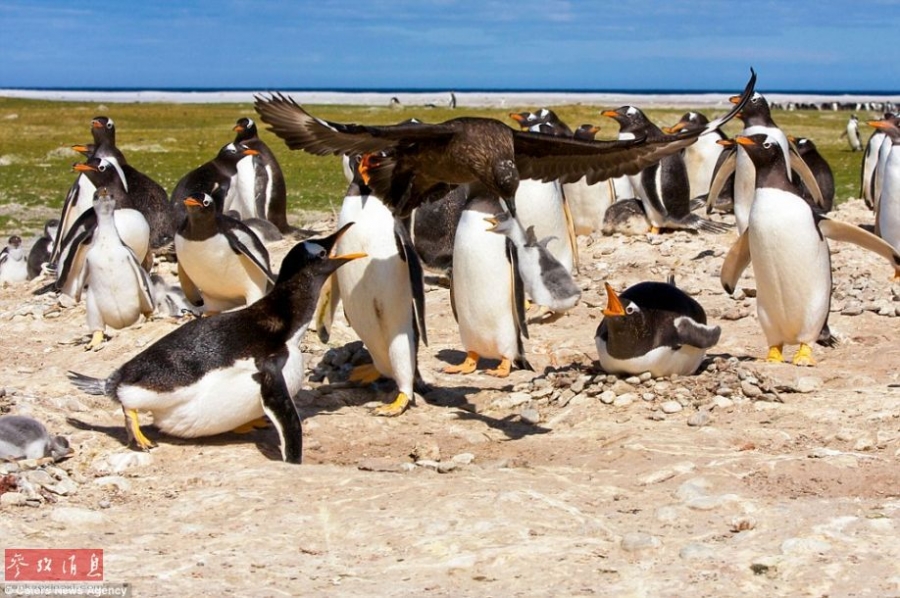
(747, 479)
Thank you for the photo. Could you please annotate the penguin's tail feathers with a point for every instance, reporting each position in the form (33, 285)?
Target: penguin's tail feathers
(696, 223)
(92, 386)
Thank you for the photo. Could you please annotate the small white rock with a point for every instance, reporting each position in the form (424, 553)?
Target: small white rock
(670, 407)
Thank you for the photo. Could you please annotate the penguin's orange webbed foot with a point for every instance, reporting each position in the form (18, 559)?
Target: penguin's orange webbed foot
(502, 370)
(365, 374)
(260, 423)
(466, 367)
(394, 409)
(135, 435)
(775, 355)
(803, 357)
(96, 341)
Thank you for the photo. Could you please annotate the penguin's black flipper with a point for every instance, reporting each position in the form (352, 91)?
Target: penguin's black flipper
(278, 406)
(725, 168)
(826, 339)
(736, 261)
(416, 276)
(799, 166)
(695, 334)
(73, 252)
(244, 242)
(518, 289)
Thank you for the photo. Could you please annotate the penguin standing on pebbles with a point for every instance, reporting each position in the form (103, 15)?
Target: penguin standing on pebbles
(42, 248)
(260, 181)
(653, 327)
(116, 287)
(786, 242)
(486, 292)
(13, 261)
(213, 375)
(24, 437)
(221, 261)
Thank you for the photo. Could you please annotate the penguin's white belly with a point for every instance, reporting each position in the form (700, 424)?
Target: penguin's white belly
(884, 154)
(792, 268)
(376, 290)
(482, 289)
(588, 204)
(700, 161)
(114, 290)
(869, 163)
(222, 275)
(540, 205)
(14, 270)
(222, 400)
(661, 361)
(243, 197)
(888, 215)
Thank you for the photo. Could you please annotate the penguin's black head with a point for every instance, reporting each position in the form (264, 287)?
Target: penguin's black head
(103, 129)
(233, 152)
(15, 241)
(755, 111)
(103, 122)
(586, 132)
(630, 118)
(199, 202)
(245, 129)
(624, 316)
(761, 148)
(690, 121)
(313, 258)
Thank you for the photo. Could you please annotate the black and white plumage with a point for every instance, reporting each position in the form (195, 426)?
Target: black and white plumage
(786, 243)
(653, 327)
(215, 178)
(39, 255)
(547, 282)
(700, 159)
(261, 191)
(221, 261)
(423, 158)
(887, 203)
(215, 374)
(23, 437)
(851, 132)
(820, 169)
(663, 187)
(870, 163)
(115, 286)
(13, 261)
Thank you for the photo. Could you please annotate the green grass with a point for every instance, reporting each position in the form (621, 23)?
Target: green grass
(167, 140)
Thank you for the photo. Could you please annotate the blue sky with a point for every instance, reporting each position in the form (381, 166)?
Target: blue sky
(822, 45)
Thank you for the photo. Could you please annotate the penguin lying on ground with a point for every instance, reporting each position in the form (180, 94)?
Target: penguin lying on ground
(13, 261)
(653, 327)
(24, 437)
(546, 280)
(786, 241)
(221, 261)
(216, 374)
(116, 287)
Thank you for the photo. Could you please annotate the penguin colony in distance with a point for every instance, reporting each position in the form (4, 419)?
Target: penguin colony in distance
(383, 294)
(653, 327)
(786, 243)
(23, 437)
(216, 374)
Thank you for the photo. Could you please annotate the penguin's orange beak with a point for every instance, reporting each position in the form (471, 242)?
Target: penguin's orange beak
(96, 124)
(613, 305)
(83, 167)
(592, 130)
(726, 142)
(519, 117)
(190, 201)
(673, 129)
(250, 152)
(744, 140)
(349, 256)
(609, 113)
(80, 148)
(238, 128)
(879, 124)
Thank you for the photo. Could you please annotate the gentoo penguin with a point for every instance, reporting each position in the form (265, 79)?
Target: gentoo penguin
(116, 288)
(261, 192)
(13, 261)
(663, 187)
(852, 133)
(887, 214)
(42, 248)
(212, 375)
(546, 280)
(220, 260)
(416, 160)
(625, 216)
(700, 158)
(23, 437)
(757, 119)
(869, 162)
(653, 327)
(884, 151)
(169, 299)
(808, 152)
(541, 204)
(214, 178)
(486, 292)
(786, 242)
(383, 294)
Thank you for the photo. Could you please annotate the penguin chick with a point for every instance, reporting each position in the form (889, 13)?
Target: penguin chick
(653, 327)
(221, 261)
(546, 280)
(116, 287)
(40, 252)
(24, 437)
(13, 261)
(215, 374)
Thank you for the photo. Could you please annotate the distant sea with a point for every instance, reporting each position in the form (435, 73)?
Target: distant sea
(464, 97)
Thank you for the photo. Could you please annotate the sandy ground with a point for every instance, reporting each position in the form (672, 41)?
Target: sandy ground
(750, 479)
